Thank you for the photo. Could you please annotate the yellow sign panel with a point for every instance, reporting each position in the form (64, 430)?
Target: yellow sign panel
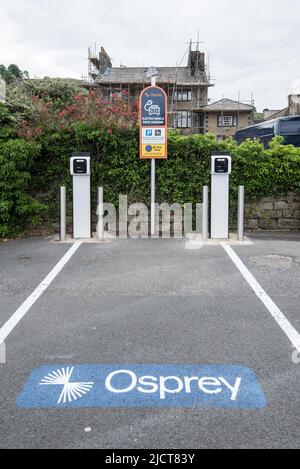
(153, 151)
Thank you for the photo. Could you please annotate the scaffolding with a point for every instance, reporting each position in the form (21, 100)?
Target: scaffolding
(199, 95)
(194, 78)
(98, 64)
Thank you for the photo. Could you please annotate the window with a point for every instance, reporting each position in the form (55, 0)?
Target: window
(182, 119)
(184, 95)
(290, 126)
(226, 121)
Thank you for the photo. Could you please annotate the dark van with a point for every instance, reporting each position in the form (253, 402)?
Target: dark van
(286, 127)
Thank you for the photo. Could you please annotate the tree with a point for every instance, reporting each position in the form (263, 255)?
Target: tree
(15, 71)
(11, 73)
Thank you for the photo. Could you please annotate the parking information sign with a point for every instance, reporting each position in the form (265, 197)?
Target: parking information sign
(153, 123)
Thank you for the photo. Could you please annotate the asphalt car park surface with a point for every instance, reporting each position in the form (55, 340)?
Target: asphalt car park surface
(151, 302)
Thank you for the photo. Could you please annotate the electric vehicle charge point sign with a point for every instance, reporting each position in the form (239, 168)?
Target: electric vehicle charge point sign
(153, 123)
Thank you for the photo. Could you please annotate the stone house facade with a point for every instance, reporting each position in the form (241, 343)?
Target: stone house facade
(223, 118)
(187, 90)
(186, 87)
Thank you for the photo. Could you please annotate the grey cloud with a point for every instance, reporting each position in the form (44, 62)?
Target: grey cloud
(253, 46)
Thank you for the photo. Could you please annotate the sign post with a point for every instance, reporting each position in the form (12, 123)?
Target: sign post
(153, 181)
(153, 131)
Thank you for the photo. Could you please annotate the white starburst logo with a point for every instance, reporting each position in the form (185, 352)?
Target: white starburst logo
(71, 391)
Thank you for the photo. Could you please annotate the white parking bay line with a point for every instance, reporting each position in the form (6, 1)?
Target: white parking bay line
(278, 315)
(24, 308)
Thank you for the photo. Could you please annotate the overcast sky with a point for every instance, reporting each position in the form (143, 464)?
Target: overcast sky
(253, 46)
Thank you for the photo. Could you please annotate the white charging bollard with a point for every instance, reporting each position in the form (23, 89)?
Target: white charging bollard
(80, 169)
(220, 173)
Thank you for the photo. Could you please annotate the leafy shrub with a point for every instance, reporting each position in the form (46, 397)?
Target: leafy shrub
(18, 208)
(53, 119)
(116, 165)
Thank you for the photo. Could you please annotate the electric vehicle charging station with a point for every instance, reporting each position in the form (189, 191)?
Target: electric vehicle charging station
(80, 169)
(220, 174)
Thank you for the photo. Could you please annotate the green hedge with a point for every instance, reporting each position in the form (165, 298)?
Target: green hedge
(31, 172)
(18, 206)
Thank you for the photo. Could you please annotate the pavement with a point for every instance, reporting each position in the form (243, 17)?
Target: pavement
(144, 302)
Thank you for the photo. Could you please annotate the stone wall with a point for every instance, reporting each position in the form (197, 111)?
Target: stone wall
(2, 91)
(274, 213)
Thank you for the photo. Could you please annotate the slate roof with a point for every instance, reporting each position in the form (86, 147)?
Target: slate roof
(179, 75)
(282, 113)
(228, 105)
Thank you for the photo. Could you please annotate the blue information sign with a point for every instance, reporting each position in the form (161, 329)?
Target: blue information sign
(153, 123)
(153, 107)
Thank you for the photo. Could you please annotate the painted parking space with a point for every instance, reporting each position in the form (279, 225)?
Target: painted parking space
(23, 264)
(279, 317)
(19, 314)
(147, 386)
(275, 263)
(120, 304)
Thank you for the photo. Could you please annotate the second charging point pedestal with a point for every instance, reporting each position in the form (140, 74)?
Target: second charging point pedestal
(80, 169)
(220, 174)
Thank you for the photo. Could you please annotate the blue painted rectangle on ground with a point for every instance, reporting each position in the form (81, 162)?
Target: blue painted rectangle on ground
(148, 386)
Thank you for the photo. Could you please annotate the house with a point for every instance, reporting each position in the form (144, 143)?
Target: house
(268, 113)
(293, 109)
(186, 86)
(224, 117)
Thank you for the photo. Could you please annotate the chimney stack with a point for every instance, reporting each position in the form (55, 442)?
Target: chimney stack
(294, 104)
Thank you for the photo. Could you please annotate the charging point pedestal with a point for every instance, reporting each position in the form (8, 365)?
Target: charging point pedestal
(80, 169)
(220, 173)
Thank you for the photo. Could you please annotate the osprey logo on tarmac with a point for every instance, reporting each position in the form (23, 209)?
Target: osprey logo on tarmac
(115, 386)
